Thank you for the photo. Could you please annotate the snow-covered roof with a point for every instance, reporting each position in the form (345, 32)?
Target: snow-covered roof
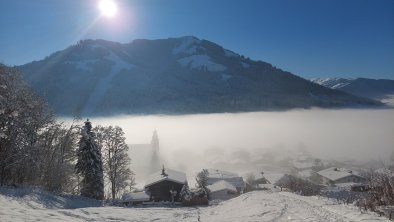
(215, 175)
(334, 173)
(222, 185)
(171, 175)
(138, 196)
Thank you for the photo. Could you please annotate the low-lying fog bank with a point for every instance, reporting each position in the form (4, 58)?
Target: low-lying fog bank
(235, 141)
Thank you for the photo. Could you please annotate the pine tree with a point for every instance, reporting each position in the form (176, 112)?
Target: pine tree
(202, 183)
(90, 165)
(202, 179)
(185, 194)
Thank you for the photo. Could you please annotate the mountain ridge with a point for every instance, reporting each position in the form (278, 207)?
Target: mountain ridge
(170, 76)
(378, 89)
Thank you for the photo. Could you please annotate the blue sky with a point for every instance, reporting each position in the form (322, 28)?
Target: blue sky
(311, 38)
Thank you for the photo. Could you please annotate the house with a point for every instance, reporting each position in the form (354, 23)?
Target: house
(214, 176)
(165, 185)
(336, 175)
(222, 190)
(135, 198)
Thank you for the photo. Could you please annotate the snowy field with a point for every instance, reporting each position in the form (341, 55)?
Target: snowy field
(253, 206)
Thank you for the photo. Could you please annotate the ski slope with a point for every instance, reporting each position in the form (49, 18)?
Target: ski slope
(253, 206)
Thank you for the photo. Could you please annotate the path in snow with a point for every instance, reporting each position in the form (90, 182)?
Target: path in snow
(283, 206)
(253, 206)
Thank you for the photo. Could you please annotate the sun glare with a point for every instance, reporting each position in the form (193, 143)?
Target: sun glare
(108, 8)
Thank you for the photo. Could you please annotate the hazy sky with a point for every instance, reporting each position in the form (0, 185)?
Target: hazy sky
(307, 37)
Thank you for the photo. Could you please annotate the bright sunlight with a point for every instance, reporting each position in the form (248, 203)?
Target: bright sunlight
(108, 8)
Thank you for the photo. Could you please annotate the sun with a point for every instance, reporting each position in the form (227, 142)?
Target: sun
(108, 8)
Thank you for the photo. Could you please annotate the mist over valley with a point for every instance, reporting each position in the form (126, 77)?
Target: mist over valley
(258, 141)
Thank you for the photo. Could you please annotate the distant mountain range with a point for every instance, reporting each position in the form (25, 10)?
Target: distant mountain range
(170, 76)
(378, 89)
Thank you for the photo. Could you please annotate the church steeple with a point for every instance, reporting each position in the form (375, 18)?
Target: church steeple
(155, 141)
(155, 161)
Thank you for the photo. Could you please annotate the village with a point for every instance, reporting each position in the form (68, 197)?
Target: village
(303, 175)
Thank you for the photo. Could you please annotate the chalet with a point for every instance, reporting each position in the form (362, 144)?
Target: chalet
(222, 190)
(135, 198)
(214, 176)
(335, 175)
(165, 185)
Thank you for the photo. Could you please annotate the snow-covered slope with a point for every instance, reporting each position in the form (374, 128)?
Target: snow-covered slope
(333, 83)
(170, 76)
(43, 199)
(379, 89)
(254, 206)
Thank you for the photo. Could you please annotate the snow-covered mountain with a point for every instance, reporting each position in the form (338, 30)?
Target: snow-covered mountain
(170, 76)
(379, 89)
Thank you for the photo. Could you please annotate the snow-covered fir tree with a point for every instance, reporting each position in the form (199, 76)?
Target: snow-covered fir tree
(185, 194)
(202, 183)
(202, 178)
(90, 165)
